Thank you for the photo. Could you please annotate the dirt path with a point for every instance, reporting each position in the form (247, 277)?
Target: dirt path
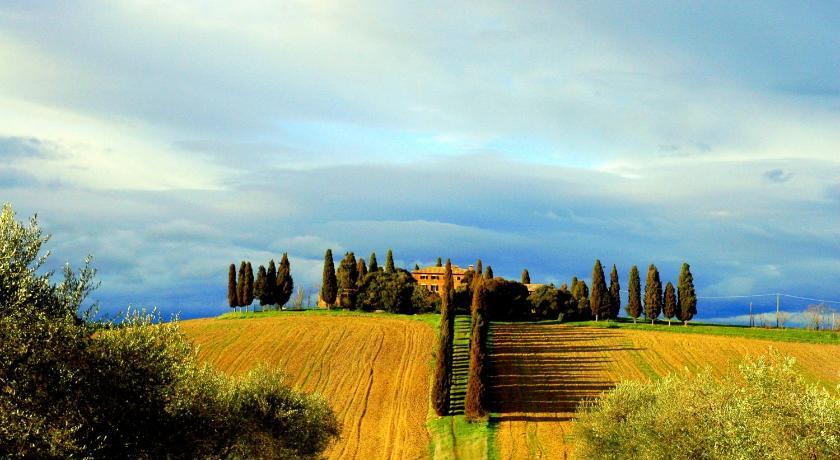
(374, 371)
(540, 373)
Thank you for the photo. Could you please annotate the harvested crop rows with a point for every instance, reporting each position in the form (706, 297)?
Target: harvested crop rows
(541, 372)
(374, 371)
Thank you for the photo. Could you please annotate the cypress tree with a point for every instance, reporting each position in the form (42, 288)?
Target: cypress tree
(653, 294)
(615, 293)
(488, 273)
(329, 285)
(669, 307)
(574, 285)
(241, 285)
(687, 298)
(474, 408)
(373, 266)
(389, 262)
(478, 270)
(599, 299)
(348, 279)
(443, 358)
(361, 269)
(233, 296)
(439, 262)
(249, 286)
(416, 267)
(285, 285)
(259, 285)
(584, 310)
(634, 299)
(271, 284)
(526, 277)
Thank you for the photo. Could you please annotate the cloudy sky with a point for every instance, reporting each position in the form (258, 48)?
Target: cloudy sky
(169, 139)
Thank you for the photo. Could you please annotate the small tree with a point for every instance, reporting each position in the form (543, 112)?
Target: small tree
(329, 285)
(416, 267)
(574, 288)
(285, 285)
(584, 311)
(361, 270)
(653, 294)
(526, 277)
(270, 284)
(249, 286)
(389, 262)
(478, 268)
(474, 408)
(488, 273)
(348, 280)
(634, 298)
(443, 358)
(599, 299)
(686, 297)
(259, 285)
(615, 293)
(233, 296)
(373, 265)
(241, 285)
(669, 307)
(439, 262)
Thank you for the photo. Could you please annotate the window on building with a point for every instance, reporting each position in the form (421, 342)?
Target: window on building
(434, 287)
(422, 277)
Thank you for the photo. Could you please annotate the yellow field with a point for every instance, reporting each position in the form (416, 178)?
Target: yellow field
(374, 371)
(541, 372)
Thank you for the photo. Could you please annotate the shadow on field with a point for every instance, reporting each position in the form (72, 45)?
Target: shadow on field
(541, 372)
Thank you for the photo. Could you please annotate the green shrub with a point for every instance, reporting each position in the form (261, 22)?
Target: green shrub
(767, 410)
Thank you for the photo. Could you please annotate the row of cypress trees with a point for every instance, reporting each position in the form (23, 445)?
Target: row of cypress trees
(441, 385)
(680, 302)
(475, 400)
(339, 286)
(273, 286)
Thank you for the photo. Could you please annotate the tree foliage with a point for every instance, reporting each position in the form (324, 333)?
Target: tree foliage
(232, 293)
(653, 294)
(373, 265)
(615, 293)
(547, 302)
(686, 297)
(441, 383)
(259, 285)
(348, 280)
(329, 285)
(475, 399)
(599, 300)
(765, 410)
(249, 284)
(526, 277)
(285, 285)
(242, 284)
(389, 262)
(361, 270)
(269, 294)
(669, 305)
(391, 292)
(488, 273)
(439, 262)
(634, 298)
(505, 300)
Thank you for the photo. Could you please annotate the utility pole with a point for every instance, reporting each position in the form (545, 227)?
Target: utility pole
(752, 321)
(778, 303)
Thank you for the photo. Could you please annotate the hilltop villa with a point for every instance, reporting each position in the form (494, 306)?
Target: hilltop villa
(432, 277)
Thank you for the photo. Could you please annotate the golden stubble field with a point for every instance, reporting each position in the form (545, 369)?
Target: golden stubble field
(541, 372)
(374, 371)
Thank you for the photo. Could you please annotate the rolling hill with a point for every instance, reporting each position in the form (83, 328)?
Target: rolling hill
(374, 370)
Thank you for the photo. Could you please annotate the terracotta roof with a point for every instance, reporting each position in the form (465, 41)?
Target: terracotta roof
(456, 270)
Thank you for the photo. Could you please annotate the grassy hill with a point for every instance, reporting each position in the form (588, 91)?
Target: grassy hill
(375, 369)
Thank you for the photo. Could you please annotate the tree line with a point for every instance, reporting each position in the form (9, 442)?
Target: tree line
(272, 287)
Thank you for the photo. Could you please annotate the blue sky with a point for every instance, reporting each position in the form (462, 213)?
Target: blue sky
(169, 139)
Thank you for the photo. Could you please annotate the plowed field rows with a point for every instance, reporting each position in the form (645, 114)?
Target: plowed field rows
(374, 371)
(541, 372)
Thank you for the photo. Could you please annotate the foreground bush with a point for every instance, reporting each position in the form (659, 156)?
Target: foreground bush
(766, 411)
(70, 387)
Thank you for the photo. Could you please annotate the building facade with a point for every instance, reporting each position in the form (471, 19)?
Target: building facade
(432, 277)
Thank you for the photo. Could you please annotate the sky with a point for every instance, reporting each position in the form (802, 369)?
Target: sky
(171, 138)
